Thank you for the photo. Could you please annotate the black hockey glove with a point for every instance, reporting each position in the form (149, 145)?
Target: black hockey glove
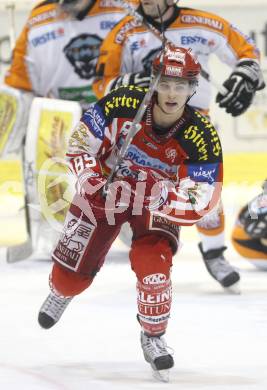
(140, 79)
(254, 216)
(241, 87)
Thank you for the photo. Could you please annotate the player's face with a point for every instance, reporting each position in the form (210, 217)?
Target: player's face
(150, 7)
(172, 94)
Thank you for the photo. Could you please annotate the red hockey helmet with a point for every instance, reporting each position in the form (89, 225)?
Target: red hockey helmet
(177, 62)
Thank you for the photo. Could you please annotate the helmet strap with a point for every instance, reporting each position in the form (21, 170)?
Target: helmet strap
(190, 97)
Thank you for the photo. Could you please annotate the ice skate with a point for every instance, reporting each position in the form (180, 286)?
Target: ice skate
(156, 353)
(220, 269)
(52, 309)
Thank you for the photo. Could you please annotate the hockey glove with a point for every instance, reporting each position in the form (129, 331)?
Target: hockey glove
(241, 87)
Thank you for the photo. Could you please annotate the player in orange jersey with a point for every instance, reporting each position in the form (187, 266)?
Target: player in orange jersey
(249, 236)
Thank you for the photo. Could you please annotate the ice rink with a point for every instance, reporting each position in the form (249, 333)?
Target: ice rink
(219, 340)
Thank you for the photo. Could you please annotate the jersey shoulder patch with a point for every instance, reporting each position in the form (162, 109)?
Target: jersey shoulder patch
(42, 13)
(122, 102)
(194, 17)
(200, 139)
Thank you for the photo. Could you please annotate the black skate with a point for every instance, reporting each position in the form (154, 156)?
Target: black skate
(219, 268)
(52, 309)
(156, 353)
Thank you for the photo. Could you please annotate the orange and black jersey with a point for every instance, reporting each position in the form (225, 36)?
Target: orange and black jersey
(55, 56)
(189, 149)
(130, 47)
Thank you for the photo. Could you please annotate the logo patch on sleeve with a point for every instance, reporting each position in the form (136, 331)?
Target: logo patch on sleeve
(95, 120)
(204, 172)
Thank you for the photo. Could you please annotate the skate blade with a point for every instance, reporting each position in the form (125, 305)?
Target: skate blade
(161, 375)
(234, 289)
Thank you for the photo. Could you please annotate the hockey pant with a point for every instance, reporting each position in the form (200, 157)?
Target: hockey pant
(81, 252)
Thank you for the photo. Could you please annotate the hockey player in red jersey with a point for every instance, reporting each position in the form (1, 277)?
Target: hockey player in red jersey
(170, 176)
(126, 55)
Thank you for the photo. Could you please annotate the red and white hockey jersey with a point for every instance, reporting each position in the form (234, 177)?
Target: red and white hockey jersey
(189, 154)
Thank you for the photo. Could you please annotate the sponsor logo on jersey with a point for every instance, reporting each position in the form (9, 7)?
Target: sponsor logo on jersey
(173, 71)
(190, 40)
(195, 135)
(82, 52)
(154, 279)
(139, 157)
(213, 135)
(72, 243)
(197, 19)
(42, 17)
(47, 37)
(95, 120)
(205, 138)
(121, 101)
(158, 222)
(107, 24)
(136, 45)
(204, 173)
(171, 154)
(154, 311)
(119, 38)
(78, 137)
(163, 297)
(125, 171)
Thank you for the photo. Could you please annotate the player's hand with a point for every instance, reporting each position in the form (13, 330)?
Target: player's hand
(241, 87)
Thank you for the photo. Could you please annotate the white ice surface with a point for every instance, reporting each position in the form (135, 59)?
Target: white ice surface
(219, 340)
